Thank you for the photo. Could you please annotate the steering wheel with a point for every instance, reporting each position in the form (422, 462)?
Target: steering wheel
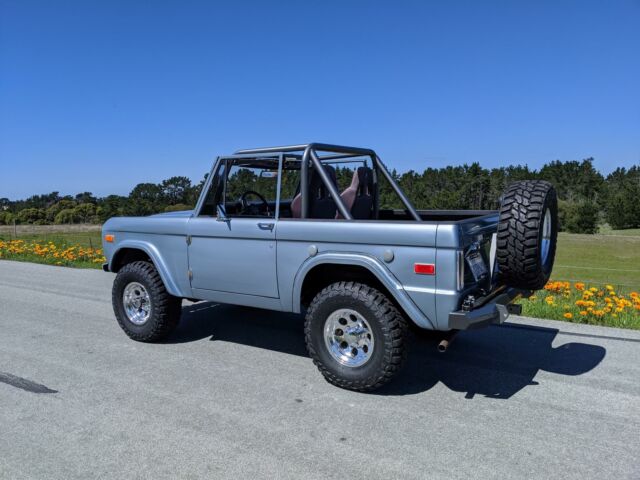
(249, 209)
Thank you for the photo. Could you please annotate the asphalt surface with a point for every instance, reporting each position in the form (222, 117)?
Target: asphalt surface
(233, 394)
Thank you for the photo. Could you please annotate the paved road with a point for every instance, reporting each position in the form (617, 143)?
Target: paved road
(233, 394)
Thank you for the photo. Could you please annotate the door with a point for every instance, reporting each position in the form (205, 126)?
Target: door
(233, 246)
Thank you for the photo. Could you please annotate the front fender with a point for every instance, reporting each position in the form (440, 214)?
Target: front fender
(156, 258)
(372, 264)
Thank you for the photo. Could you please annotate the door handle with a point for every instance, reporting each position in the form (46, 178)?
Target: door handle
(266, 226)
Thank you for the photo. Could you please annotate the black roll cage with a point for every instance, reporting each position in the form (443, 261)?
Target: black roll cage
(315, 154)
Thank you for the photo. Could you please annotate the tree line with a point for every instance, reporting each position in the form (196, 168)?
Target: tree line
(175, 193)
(586, 197)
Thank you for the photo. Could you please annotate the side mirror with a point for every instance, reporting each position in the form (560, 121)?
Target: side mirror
(221, 214)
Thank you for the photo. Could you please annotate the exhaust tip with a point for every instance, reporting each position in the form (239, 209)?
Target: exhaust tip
(446, 341)
(443, 345)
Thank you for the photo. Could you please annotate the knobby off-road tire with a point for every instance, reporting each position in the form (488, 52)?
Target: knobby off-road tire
(371, 326)
(158, 312)
(527, 234)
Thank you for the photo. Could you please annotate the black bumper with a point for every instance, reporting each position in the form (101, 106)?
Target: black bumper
(105, 267)
(493, 310)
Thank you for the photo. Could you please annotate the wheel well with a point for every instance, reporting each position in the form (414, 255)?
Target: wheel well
(325, 274)
(126, 256)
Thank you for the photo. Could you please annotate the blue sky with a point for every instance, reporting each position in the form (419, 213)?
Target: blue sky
(98, 96)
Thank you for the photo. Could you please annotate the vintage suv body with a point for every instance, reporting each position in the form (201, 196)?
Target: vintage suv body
(307, 244)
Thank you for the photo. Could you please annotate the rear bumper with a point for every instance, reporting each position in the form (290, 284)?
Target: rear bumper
(492, 310)
(105, 267)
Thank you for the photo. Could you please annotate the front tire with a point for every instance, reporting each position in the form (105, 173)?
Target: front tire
(355, 336)
(143, 307)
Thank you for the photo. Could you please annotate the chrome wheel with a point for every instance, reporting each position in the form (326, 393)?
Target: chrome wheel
(348, 337)
(546, 237)
(136, 302)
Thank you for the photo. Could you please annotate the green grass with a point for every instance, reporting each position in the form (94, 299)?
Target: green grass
(84, 239)
(599, 259)
(610, 258)
(606, 230)
(564, 302)
(62, 241)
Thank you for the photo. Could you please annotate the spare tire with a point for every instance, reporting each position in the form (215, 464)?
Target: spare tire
(527, 234)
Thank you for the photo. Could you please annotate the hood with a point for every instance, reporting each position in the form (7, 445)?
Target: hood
(180, 214)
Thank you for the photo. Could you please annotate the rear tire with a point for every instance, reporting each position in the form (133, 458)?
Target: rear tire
(527, 234)
(143, 307)
(355, 336)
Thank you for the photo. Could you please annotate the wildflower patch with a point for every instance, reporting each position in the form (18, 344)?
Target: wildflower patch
(64, 254)
(582, 303)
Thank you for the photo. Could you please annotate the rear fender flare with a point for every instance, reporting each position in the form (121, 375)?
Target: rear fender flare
(372, 264)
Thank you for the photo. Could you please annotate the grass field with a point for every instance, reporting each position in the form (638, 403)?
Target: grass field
(597, 261)
(86, 239)
(83, 235)
(634, 232)
(611, 258)
(20, 230)
(70, 246)
(581, 302)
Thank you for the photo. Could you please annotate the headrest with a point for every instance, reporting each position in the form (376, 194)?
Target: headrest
(364, 180)
(317, 183)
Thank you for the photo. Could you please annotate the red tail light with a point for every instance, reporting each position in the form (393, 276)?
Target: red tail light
(424, 268)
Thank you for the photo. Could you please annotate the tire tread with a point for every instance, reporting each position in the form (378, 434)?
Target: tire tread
(166, 308)
(518, 240)
(394, 328)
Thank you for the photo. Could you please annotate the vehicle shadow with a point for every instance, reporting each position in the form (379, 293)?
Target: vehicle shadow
(495, 362)
(278, 331)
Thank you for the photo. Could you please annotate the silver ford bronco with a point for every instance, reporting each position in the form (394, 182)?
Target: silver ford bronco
(301, 229)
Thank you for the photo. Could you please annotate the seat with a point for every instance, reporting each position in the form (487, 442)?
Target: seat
(357, 196)
(321, 205)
